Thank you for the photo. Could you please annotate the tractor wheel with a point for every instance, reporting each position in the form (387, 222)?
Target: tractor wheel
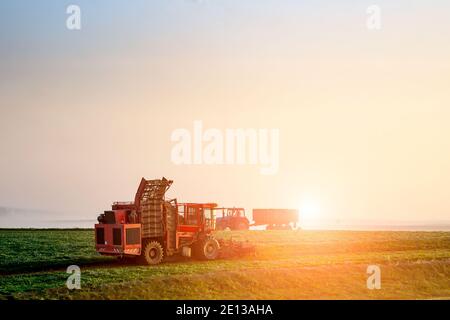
(153, 253)
(207, 249)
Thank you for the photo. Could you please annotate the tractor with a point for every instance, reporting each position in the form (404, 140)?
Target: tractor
(232, 218)
(152, 228)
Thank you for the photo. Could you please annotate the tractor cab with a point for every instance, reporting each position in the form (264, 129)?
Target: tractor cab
(235, 212)
(199, 215)
(194, 219)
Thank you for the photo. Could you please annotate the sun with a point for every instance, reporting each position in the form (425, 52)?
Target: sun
(309, 208)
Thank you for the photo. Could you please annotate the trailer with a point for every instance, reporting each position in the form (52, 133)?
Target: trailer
(276, 219)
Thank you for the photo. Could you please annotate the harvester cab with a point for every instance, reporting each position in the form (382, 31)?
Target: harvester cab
(152, 227)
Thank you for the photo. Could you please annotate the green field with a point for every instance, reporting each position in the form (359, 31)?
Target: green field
(286, 265)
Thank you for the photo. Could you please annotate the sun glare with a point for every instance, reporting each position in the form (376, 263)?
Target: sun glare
(309, 209)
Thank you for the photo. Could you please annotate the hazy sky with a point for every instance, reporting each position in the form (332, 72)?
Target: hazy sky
(363, 115)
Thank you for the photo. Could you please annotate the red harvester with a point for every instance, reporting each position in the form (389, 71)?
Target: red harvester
(152, 227)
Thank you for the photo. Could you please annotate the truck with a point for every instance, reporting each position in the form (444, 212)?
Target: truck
(152, 227)
(276, 219)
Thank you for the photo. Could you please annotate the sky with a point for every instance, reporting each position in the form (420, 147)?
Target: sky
(362, 114)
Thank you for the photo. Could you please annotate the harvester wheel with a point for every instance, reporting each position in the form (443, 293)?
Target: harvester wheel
(207, 249)
(153, 252)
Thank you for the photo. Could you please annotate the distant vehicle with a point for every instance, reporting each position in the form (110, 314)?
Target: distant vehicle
(231, 218)
(273, 219)
(276, 219)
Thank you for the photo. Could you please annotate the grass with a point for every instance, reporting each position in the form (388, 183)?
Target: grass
(41, 249)
(287, 265)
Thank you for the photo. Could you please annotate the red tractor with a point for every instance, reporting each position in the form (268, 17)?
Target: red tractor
(152, 227)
